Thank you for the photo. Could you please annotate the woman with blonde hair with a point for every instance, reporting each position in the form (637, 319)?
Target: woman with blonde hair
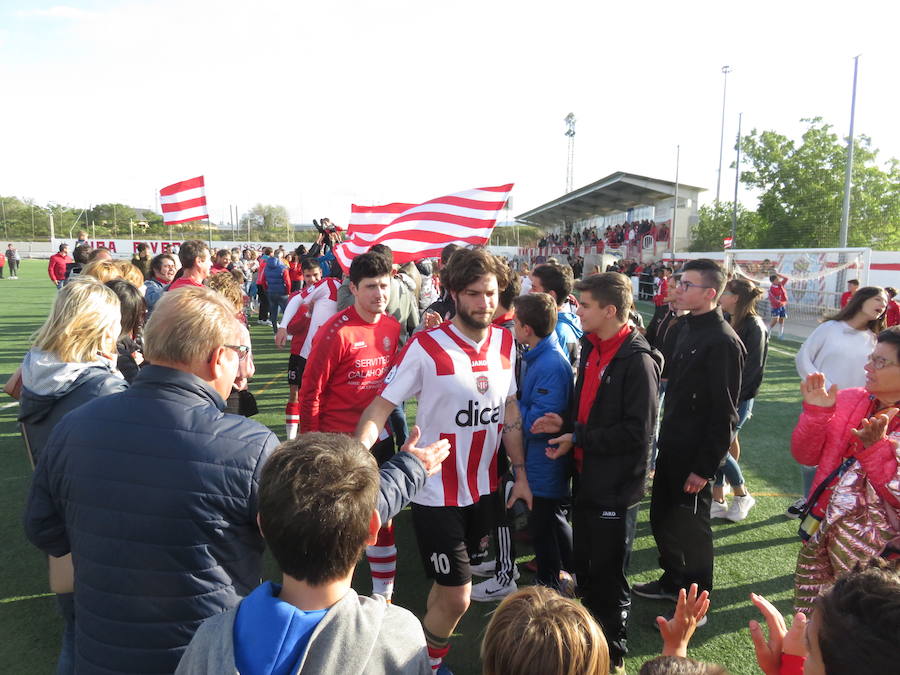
(536, 631)
(103, 270)
(72, 361)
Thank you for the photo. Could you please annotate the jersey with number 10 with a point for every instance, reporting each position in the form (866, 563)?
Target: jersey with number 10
(461, 389)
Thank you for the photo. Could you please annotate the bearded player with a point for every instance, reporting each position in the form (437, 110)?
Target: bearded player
(462, 374)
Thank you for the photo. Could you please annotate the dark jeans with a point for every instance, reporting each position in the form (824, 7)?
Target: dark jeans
(681, 527)
(66, 604)
(603, 541)
(263, 298)
(13, 267)
(551, 537)
(276, 301)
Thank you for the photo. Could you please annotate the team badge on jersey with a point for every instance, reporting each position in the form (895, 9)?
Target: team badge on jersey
(386, 343)
(390, 376)
(481, 383)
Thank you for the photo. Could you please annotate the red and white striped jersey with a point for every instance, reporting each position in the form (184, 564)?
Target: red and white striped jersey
(321, 297)
(461, 389)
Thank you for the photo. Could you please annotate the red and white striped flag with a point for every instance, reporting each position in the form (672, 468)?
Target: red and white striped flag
(417, 231)
(727, 241)
(184, 201)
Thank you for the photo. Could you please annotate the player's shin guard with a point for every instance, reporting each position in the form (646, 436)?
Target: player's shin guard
(382, 559)
(292, 419)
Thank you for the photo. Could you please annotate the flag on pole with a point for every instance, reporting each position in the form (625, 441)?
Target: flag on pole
(727, 242)
(416, 231)
(184, 201)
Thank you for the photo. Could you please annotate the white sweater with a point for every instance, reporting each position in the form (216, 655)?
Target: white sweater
(839, 351)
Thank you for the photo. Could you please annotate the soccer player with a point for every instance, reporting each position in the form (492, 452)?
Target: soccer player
(462, 373)
(778, 300)
(852, 287)
(305, 313)
(350, 356)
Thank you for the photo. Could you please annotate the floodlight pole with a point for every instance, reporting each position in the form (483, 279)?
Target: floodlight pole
(848, 174)
(570, 163)
(737, 177)
(675, 203)
(725, 71)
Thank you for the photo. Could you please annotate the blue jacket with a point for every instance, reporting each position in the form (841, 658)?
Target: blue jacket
(547, 386)
(274, 273)
(154, 492)
(52, 388)
(154, 292)
(569, 334)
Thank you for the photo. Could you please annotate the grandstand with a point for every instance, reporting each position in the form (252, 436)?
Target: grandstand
(597, 218)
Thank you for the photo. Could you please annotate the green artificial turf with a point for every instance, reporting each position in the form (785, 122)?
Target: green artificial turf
(755, 555)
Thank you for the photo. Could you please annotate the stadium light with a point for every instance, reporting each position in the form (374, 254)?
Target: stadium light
(725, 71)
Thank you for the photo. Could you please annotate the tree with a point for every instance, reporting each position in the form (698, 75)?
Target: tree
(266, 216)
(715, 225)
(802, 189)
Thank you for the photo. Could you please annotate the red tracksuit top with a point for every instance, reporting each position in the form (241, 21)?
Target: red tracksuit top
(344, 371)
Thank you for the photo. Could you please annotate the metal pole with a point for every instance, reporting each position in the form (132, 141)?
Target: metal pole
(737, 177)
(848, 175)
(725, 71)
(675, 203)
(32, 222)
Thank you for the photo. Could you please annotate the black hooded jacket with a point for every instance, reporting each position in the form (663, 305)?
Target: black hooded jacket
(619, 431)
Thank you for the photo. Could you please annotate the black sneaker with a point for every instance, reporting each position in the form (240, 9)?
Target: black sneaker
(795, 510)
(655, 591)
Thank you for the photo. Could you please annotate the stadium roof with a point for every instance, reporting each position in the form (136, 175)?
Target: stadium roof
(617, 192)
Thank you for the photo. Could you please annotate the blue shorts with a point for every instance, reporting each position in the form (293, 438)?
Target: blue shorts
(780, 312)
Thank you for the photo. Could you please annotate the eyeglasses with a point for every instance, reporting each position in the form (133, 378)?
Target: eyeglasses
(687, 285)
(879, 362)
(242, 350)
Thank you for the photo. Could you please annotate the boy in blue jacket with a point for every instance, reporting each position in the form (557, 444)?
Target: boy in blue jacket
(546, 387)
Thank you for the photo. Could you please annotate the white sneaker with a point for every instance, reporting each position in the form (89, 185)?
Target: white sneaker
(718, 509)
(740, 507)
(491, 590)
(487, 568)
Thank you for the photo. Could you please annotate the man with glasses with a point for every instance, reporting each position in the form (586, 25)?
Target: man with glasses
(156, 496)
(699, 421)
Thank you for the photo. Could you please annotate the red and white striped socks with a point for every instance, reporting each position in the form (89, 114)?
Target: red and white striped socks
(382, 559)
(292, 419)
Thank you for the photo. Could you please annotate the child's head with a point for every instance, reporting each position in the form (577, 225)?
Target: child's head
(853, 284)
(536, 631)
(773, 278)
(537, 311)
(855, 626)
(317, 500)
(679, 665)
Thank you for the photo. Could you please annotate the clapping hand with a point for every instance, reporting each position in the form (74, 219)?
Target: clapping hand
(550, 423)
(559, 446)
(813, 391)
(873, 429)
(677, 631)
(781, 640)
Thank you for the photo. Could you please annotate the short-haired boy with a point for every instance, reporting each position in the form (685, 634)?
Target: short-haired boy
(546, 387)
(317, 512)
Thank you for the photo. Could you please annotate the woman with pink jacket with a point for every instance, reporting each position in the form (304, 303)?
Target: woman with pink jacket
(853, 437)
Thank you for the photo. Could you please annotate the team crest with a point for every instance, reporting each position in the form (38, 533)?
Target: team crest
(481, 383)
(386, 341)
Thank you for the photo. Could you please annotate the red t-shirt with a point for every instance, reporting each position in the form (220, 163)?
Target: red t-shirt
(845, 298)
(344, 371)
(892, 317)
(598, 360)
(777, 296)
(183, 281)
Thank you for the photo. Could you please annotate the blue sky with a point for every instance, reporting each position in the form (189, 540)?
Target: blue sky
(315, 105)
